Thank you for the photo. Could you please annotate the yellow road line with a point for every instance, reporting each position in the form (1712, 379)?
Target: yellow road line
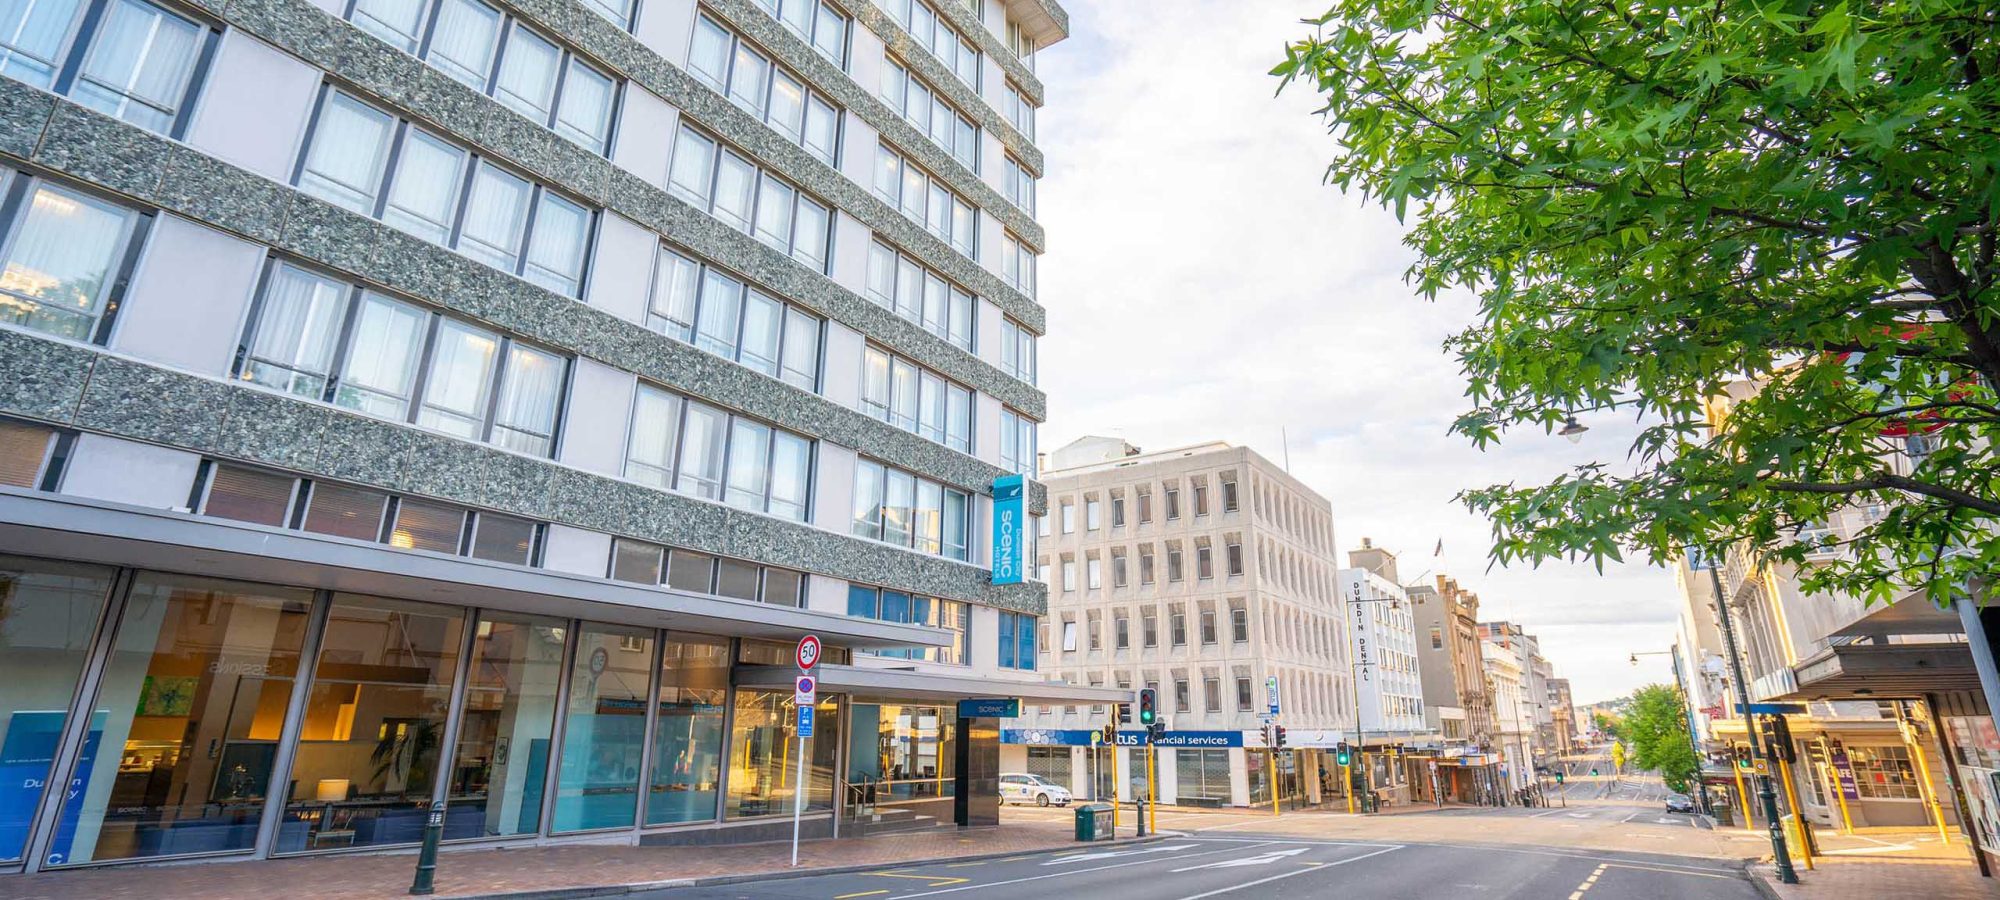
(935, 880)
(860, 894)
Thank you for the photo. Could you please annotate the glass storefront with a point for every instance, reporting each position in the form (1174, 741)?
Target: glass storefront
(901, 753)
(48, 611)
(604, 736)
(763, 755)
(505, 731)
(687, 740)
(373, 735)
(186, 722)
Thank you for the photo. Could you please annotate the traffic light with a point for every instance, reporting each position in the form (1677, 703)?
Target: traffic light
(1742, 755)
(1277, 737)
(1148, 706)
(1560, 777)
(1110, 733)
(1778, 740)
(1157, 730)
(1124, 713)
(1343, 755)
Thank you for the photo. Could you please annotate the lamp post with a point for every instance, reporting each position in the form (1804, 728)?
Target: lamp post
(1765, 791)
(1687, 712)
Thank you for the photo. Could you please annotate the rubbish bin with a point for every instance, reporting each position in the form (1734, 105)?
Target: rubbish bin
(1093, 822)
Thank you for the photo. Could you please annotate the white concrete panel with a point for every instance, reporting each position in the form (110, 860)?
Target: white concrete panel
(986, 330)
(986, 427)
(840, 381)
(825, 594)
(645, 134)
(254, 109)
(993, 156)
(833, 487)
(993, 79)
(577, 551)
(865, 59)
(121, 471)
(859, 144)
(982, 638)
(982, 532)
(189, 297)
(992, 235)
(595, 419)
(622, 269)
(667, 26)
(851, 242)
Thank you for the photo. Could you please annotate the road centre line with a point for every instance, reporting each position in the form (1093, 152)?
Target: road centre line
(1668, 871)
(1309, 868)
(860, 894)
(1150, 860)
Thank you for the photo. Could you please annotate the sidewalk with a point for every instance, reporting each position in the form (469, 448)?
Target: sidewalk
(475, 873)
(1883, 863)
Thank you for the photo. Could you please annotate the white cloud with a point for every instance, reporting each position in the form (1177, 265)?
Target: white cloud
(1202, 283)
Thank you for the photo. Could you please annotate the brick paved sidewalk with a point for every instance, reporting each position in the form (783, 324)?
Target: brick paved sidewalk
(1858, 871)
(465, 873)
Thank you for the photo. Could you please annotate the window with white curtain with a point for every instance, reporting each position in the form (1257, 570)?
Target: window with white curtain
(368, 161)
(1017, 442)
(1017, 350)
(722, 60)
(1018, 111)
(933, 33)
(501, 56)
(727, 185)
(1017, 265)
(318, 336)
(618, 11)
(926, 108)
(62, 255)
(821, 24)
(900, 508)
(1020, 186)
(128, 59)
(915, 399)
(718, 312)
(915, 292)
(675, 443)
(926, 200)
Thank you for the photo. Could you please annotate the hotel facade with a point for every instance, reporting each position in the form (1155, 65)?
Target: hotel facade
(470, 404)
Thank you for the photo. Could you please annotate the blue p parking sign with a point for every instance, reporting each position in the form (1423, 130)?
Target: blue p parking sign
(806, 721)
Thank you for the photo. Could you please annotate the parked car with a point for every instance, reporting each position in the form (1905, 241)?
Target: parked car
(1680, 803)
(1020, 788)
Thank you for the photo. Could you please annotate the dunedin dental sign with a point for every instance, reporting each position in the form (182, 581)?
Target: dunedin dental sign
(1010, 531)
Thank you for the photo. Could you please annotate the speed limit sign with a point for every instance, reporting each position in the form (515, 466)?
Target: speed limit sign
(808, 652)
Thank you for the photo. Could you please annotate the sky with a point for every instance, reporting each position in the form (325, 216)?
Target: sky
(1203, 283)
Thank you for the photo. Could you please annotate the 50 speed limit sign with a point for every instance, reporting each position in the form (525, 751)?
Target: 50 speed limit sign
(808, 652)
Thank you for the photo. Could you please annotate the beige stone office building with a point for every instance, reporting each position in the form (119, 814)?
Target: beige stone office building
(1202, 572)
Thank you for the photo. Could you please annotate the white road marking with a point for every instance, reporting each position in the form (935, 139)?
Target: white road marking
(1314, 867)
(1109, 854)
(1062, 874)
(1261, 859)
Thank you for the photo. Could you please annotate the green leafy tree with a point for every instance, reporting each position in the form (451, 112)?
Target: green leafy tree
(1656, 201)
(1656, 728)
(1608, 724)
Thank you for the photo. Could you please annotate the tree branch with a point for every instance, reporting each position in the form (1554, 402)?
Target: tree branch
(1891, 481)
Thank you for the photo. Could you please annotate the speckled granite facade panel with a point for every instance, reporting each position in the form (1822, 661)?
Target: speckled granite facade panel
(216, 192)
(135, 400)
(267, 428)
(103, 150)
(42, 379)
(23, 114)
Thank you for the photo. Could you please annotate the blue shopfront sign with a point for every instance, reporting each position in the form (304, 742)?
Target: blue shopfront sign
(1010, 529)
(990, 708)
(1080, 737)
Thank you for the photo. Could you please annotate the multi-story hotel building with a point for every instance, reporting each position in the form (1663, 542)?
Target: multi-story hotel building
(473, 402)
(1205, 573)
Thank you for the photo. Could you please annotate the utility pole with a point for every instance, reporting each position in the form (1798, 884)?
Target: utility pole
(1765, 791)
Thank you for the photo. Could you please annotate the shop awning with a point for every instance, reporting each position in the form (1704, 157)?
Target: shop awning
(1884, 671)
(900, 683)
(95, 531)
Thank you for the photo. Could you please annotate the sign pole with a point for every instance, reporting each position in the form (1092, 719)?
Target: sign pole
(1152, 790)
(798, 801)
(805, 699)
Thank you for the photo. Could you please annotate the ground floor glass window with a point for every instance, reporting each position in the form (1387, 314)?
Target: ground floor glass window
(48, 611)
(763, 760)
(604, 735)
(687, 741)
(504, 735)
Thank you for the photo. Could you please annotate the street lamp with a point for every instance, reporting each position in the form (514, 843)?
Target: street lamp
(1573, 429)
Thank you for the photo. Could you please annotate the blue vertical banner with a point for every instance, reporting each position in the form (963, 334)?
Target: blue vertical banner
(1010, 529)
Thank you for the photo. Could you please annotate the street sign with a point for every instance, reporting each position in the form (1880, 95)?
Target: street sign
(1271, 693)
(1773, 709)
(805, 723)
(990, 708)
(803, 690)
(808, 652)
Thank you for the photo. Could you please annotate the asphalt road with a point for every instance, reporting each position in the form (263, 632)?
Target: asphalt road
(1271, 866)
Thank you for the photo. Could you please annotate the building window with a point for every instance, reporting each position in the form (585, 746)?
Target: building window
(1146, 564)
(926, 201)
(1017, 640)
(1149, 628)
(1181, 699)
(1177, 625)
(913, 291)
(1118, 574)
(1017, 442)
(1437, 638)
(703, 306)
(128, 59)
(641, 562)
(897, 507)
(882, 604)
(1173, 562)
(1243, 694)
(66, 255)
(368, 161)
(936, 35)
(319, 337)
(1117, 510)
(680, 444)
(1092, 632)
(1017, 265)
(1239, 625)
(916, 399)
(1019, 187)
(1204, 561)
(766, 90)
(1068, 517)
(1884, 772)
(1017, 352)
(1092, 574)
(1018, 111)
(910, 96)
(1228, 482)
(1200, 497)
(1068, 575)
(821, 24)
(728, 186)
(1233, 552)
(31, 456)
(1121, 631)
(323, 507)
(1211, 693)
(1208, 631)
(1092, 514)
(1022, 45)
(1145, 498)
(1173, 500)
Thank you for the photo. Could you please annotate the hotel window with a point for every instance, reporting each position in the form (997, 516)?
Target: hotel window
(911, 97)
(31, 455)
(885, 605)
(1018, 111)
(706, 307)
(899, 508)
(1149, 627)
(1017, 351)
(1233, 555)
(1093, 514)
(1017, 442)
(498, 55)
(1200, 495)
(936, 35)
(1180, 695)
(1017, 641)
(683, 445)
(323, 338)
(368, 161)
(1019, 186)
(1118, 573)
(640, 562)
(1068, 575)
(916, 399)
(65, 256)
(821, 24)
(1017, 265)
(730, 187)
(1173, 561)
(1173, 501)
(913, 291)
(1177, 625)
(263, 497)
(128, 59)
(1243, 694)
(1146, 564)
(766, 90)
(926, 201)
(1239, 625)
(1021, 43)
